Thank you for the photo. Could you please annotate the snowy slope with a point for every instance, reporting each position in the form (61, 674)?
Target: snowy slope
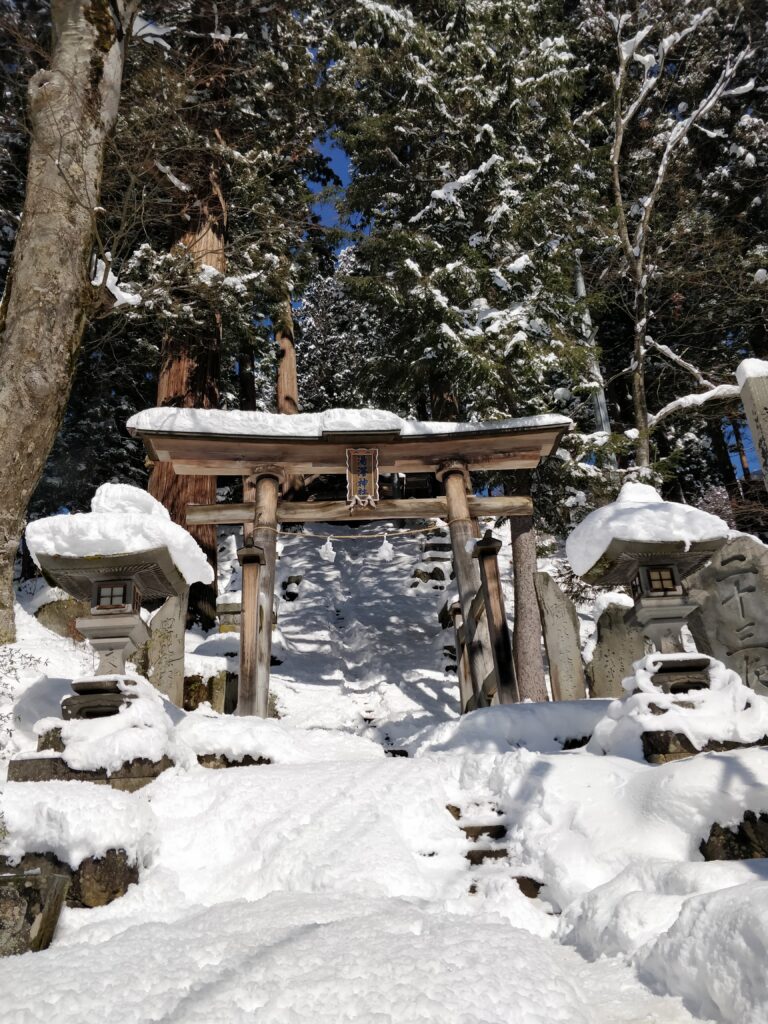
(332, 885)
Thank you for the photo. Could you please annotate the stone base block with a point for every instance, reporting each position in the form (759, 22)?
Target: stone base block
(30, 905)
(661, 747)
(129, 777)
(96, 882)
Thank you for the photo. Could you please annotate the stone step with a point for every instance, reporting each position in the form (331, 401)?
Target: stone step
(474, 832)
(477, 856)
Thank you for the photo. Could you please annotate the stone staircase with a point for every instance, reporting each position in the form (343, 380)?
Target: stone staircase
(486, 831)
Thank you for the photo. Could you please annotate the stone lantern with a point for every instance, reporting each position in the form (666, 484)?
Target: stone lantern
(651, 546)
(115, 586)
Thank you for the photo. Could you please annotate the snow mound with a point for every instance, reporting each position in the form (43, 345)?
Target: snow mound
(713, 955)
(125, 498)
(135, 522)
(639, 514)
(540, 727)
(74, 821)
(205, 732)
(728, 711)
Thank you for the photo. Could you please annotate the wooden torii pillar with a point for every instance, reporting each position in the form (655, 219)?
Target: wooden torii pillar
(257, 558)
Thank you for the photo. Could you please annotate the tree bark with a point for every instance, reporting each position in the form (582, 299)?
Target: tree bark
(189, 377)
(72, 107)
(287, 379)
(526, 635)
(287, 383)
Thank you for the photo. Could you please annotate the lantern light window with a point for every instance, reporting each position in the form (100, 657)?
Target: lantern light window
(661, 580)
(111, 594)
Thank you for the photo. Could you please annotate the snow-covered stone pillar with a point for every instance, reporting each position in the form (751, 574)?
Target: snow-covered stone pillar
(752, 375)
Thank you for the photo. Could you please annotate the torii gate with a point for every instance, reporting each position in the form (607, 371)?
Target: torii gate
(266, 449)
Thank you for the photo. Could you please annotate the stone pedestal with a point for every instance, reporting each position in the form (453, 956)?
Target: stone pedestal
(114, 638)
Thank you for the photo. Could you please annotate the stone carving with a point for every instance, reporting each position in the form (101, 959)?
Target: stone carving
(618, 646)
(560, 624)
(165, 649)
(731, 623)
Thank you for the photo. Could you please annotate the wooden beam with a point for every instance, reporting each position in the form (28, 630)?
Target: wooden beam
(243, 467)
(337, 511)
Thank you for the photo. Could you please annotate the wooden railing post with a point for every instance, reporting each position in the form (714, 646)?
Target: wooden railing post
(454, 476)
(462, 659)
(251, 559)
(486, 552)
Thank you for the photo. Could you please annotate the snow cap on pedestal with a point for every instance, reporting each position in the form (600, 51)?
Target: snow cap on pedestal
(639, 516)
(123, 520)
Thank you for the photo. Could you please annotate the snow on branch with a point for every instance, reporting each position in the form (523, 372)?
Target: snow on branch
(673, 357)
(447, 192)
(681, 129)
(719, 393)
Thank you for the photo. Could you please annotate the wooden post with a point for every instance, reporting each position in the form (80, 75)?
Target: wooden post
(251, 559)
(266, 481)
(486, 551)
(462, 661)
(752, 375)
(454, 477)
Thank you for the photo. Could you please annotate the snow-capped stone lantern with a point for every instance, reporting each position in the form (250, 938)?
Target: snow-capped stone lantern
(650, 545)
(124, 552)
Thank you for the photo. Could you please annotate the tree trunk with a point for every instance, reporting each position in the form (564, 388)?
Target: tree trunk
(189, 377)
(287, 379)
(72, 108)
(639, 400)
(287, 383)
(526, 636)
(599, 400)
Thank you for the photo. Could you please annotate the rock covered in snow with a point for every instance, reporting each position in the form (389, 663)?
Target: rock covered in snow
(74, 821)
(123, 520)
(726, 712)
(639, 514)
(203, 731)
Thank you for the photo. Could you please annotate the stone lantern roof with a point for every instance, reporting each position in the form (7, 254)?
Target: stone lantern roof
(153, 571)
(608, 547)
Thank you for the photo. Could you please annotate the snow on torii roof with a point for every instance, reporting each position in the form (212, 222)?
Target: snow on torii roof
(226, 442)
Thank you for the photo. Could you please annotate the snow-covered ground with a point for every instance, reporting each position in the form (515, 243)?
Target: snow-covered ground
(332, 885)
